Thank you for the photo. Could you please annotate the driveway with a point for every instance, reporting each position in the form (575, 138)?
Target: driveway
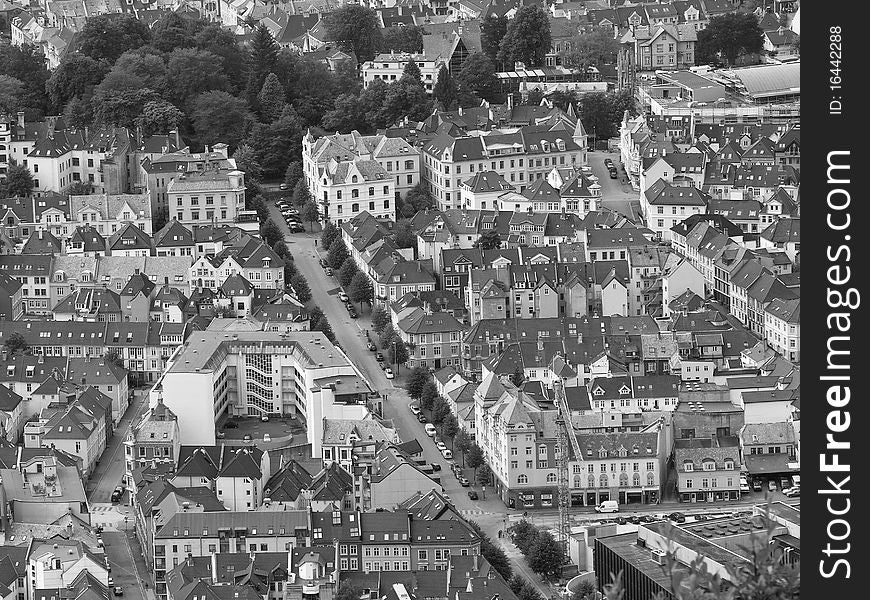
(616, 194)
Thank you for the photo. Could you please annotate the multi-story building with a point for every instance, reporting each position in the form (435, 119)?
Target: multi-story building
(433, 338)
(59, 564)
(783, 327)
(260, 373)
(158, 171)
(665, 205)
(390, 67)
(248, 256)
(659, 46)
(108, 213)
(107, 377)
(207, 197)
(11, 298)
(43, 489)
(33, 272)
(154, 439)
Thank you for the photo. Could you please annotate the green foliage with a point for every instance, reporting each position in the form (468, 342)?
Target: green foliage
(26, 63)
(546, 555)
(348, 591)
(428, 395)
(418, 198)
(220, 117)
(11, 91)
(301, 194)
(76, 75)
(403, 39)
(585, 590)
(399, 353)
(523, 535)
(388, 336)
(346, 115)
(191, 72)
(356, 29)
(276, 144)
(601, 112)
(81, 188)
(492, 31)
(591, 49)
(271, 98)
(416, 380)
(120, 99)
(293, 174)
(79, 112)
(488, 240)
(141, 66)
(246, 161)
(19, 181)
(404, 237)
(16, 344)
(270, 232)
(310, 212)
(523, 589)
(493, 553)
(445, 90)
(478, 77)
(517, 377)
(223, 43)
(172, 31)
(262, 60)
(347, 271)
(462, 442)
(108, 36)
(449, 426)
(324, 327)
(527, 39)
(380, 318)
(280, 248)
(159, 116)
(337, 254)
(474, 458)
(440, 410)
(412, 71)
(328, 235)
(729, 37)
(300, 285)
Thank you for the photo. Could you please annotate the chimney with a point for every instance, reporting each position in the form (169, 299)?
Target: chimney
(21, 118)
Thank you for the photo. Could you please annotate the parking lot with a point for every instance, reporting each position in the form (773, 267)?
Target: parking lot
(275, 427)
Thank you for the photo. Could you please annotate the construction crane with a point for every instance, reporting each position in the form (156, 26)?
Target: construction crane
(566, 439)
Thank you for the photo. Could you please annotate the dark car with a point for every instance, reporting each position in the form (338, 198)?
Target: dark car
(323, 263)
(634, 519)
(472, 495)
(436, 467)
(296, 228)
(613, 174)
(117, 494)
(677, 517)
(371, 346)
(608, 163)
(422, 418)
(621, 520)
(379, 357)
(351, 312)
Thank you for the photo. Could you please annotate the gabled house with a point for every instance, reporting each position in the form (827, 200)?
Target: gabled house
(86, 241)
(174, 239)
(130, 240)
(89, 304)
(136, 298)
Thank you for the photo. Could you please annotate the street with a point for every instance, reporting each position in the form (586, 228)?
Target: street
(616, 194)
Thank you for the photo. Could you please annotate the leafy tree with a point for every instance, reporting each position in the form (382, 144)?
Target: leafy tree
(600, 112)
(347, 271)
(388, 336)
(108, 36)
(403, 39)
(19, 181)
(337, 254)
(11, 91)
(492, 552)
(404, 237)
(527, 39)
(523, 589)
(489, 240)
(74, 76)
(16, 344)
(280, 248)
(26, 63)
(585, 590)
(258, 203)
(223, 43)
(428, 395)
(372, 104)
(360, 289)
(416, 380)
(172, 31)
(79, 112)
(262, 60)
(324, 327)
(270, 232)
(293, 174)
(190, 72)
(160, 116)
(450, 426)
(380, 318)
(356, 29)
(729, 37)
(592, 49)
(142, 64)
(492, 31)
(484, 476)
(314, 313)
(80, 188)
(220, 117)
(534, 97)
(562, 99)
(445, 89)
(246, 160)
(271, 98)
(523, 535)
(398, 353)
(418, 198)
(120, 99)
(546, 556)
(462, 442)
(406, 98)
(300, 284)
(276, 144)
(478, 77)
(289, 271)
(301, 194)
(412, 71)
(517, 378)
(440, 410)
(328, 235)
(348, 591)
(347, 115)
(310, 212)
(474, 458)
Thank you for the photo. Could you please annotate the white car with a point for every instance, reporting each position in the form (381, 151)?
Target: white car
(441, 446)
(267, 437)
(447, 453)
(389, 373)
(429, 429)
(343, 297)
(744, 485)
(415, 410)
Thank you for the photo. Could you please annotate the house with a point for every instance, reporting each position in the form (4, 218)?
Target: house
(33, 271)
(664, 205)
(174, 239)
(129, 240)
(169, 305)
(107, 377)
(153, 440)
(41, 490)
(207, 197)
(136, 298)
(108, 213)
(393, 476)
(61, 564)
(86, 241)
(783, 328)
(167, 160)
(433, 337)
(769, 450)
(11, 414)
(42, 242)
(782, 44)
(89, 304)
(236, 296)
(389, 67)
(11, 299)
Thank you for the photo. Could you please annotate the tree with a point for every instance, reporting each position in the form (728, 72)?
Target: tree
(523, 535)
(190, 72)
(108, 36)
(356, 29)
(493, 553)
(262, 60)
(523, 590)
(585, 590)
(450, 426)
(280, 248)
(489, 240)
(277, 143)
(293, 174)
(220, 117)
(398, 353)
(246, 161)
(159, 116)
(591, 49)
(120, 99)
(347, 271)
(403, 39)
(534, 97)
(729, 37)
(301, 194)
(223, 43)
(314, 313)
(546, 556)
(81, 188)
(412, 71)
(428, 395)
(11, 91)
(404, 237)
(328, 235)
(172, 31)
(270, 233)
(112, 356)
(418, 198)
(15, 344)
(478, 77)
(462, 442)
(440, 410)
(517, 378)
(388, 336)
(19, 181)
(74, 76)
(347, 115)
(380, 318)
(406, 98)
(310, 212)
(416, 380)
(348, 591)
(492, 31)
(445, 89)
(271, 98)
(325, 328)
(596, 115)
(337, 254)
(258, 203)
(79, 112)
(527, 39)
(474, 458)
(26, 63)
(483, 476)
(300, 285)
(372, 104)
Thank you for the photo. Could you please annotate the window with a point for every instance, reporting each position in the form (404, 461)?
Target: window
(523, 479)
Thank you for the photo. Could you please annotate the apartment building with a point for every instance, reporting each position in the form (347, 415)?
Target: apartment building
(158, 171)
(248, 256)
(11, 298)
(107, 213)
(153, 440)
(390, 67)
(210, 197)
(665, 205)
(33, 272)
(783, 327)
(260, 373)
(433, 338)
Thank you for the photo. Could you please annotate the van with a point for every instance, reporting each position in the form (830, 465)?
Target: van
(608, 506)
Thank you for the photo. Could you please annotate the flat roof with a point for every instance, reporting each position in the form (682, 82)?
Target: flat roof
(345, 384)
(625, 545)
(782, 510)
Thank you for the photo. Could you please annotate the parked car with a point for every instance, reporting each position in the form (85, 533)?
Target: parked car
(328, 271)
(608, 163)
(472, 495)
(118, 590)
(634, 519)
(111, 580)
(793, 492)
(464, 482)
(388, 372)
(351, 312)
(379, 357)
(296, 228)
(414, 408)
(284, 186)
(435, 467)
(247, 437)
(440, 445)
(267, 437)
(744, 485)
(117, 494)
(756, 485)
(677, 517)
(422, 418)
(614, 174)
(429, 429)
(343, 297)
(447, 453)
(608, 506)
(371, 346)
(771, 485)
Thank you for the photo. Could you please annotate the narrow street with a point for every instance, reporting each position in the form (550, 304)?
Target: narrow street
(616, 194)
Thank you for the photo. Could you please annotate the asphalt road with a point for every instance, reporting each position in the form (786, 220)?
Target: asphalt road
(124, 570)
(616, 194)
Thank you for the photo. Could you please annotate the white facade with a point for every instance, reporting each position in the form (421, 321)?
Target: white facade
(207, 198)
(391, 67)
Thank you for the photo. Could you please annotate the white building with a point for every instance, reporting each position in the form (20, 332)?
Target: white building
(107, 213)
(390, 67)
(207, 197)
